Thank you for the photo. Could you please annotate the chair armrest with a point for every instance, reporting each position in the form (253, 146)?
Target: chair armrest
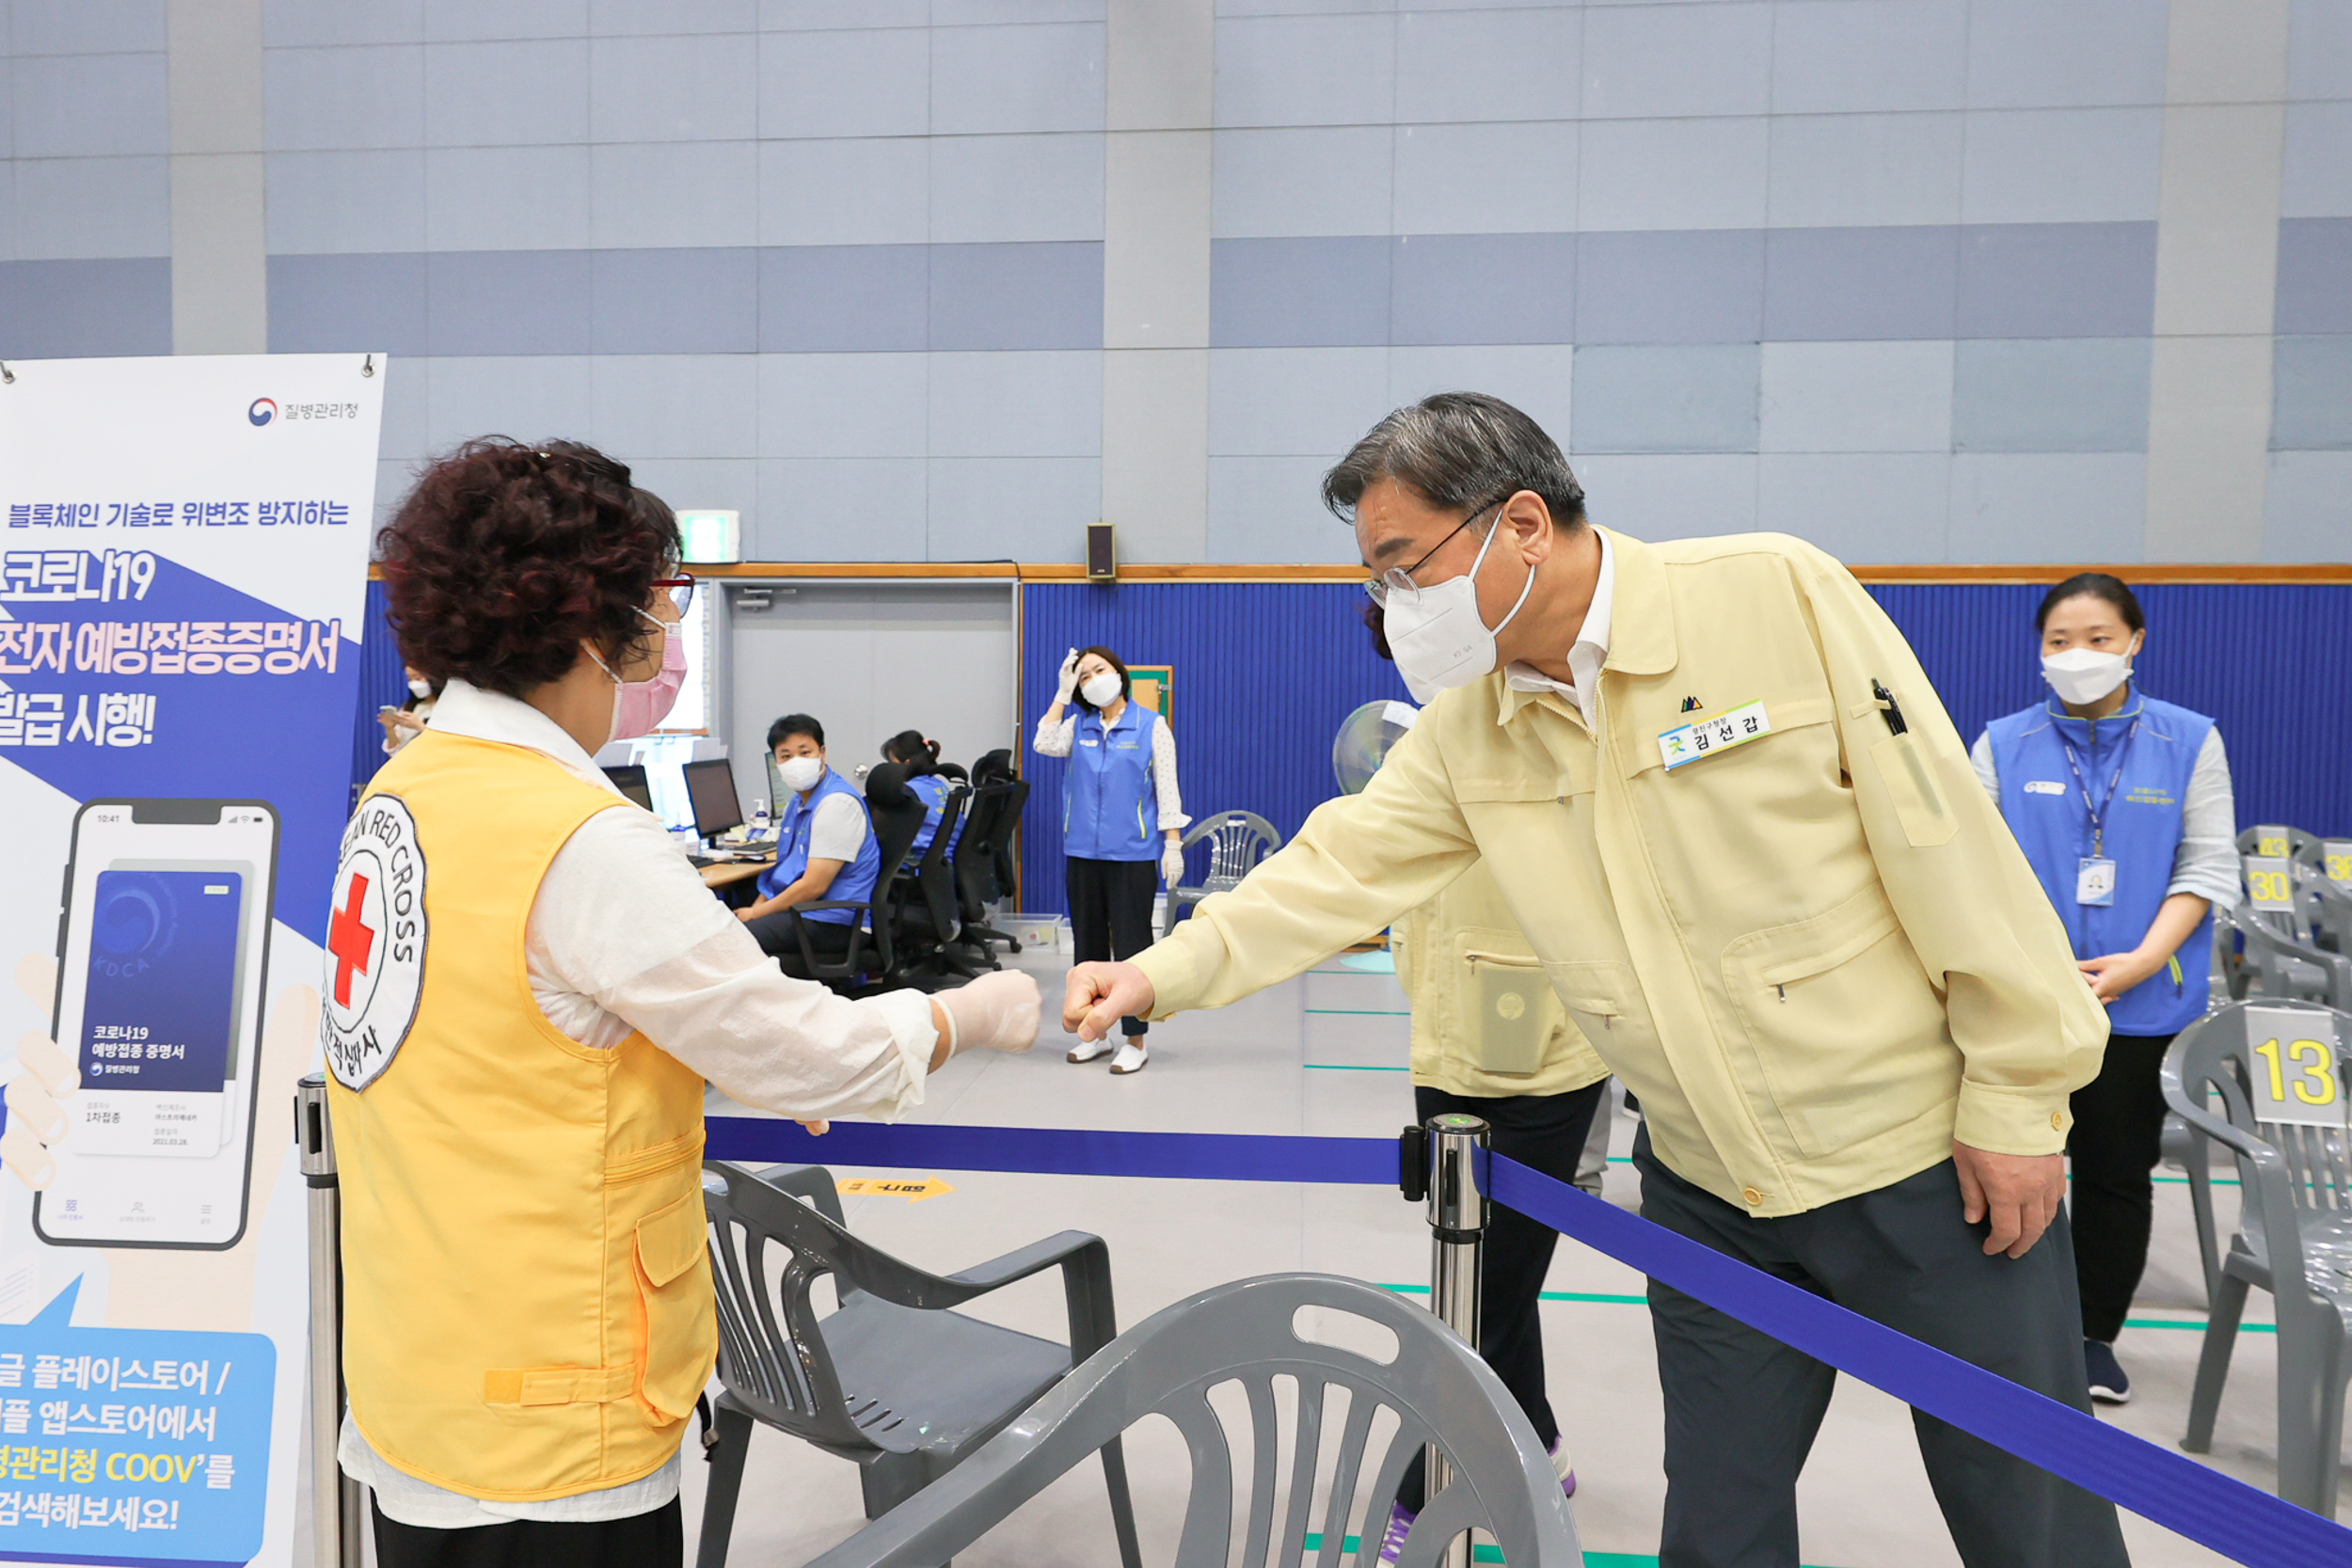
(2273, 1195)
(1024, 1262)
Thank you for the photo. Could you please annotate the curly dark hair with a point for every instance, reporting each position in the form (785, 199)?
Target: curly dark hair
(505, 558)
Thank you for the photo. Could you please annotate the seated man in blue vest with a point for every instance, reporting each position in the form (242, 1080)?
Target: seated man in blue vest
(825, 851)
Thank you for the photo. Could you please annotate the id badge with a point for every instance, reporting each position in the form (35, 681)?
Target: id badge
(2094, 881)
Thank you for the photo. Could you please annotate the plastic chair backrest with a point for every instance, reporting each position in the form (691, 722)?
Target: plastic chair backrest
(1357, 1423)
(1238, 840)
(2301, 847)
(2222, 1053)
(767, 1250)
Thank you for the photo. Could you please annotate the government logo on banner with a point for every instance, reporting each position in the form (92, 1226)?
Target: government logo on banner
(375, 932)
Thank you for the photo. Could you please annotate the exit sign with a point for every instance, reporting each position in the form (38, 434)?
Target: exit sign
(711, 538)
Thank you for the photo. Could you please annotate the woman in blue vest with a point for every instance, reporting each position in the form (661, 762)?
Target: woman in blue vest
(926, 783)
(825, 851)
(2122, 804)
(1120, 813)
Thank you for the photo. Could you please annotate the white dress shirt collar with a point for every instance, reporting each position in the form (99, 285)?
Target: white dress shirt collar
(468, 710)
(1589, 651)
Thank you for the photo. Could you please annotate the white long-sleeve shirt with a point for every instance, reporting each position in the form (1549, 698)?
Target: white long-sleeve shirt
(2205, 862)
(625, 937)
(1055, 740)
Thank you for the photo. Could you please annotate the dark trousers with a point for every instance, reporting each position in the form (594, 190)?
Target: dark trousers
(2117, 1140)
(1742, 1409)
(655, 1540)
(779, 937)
(1110, 911)
(1546, 1133)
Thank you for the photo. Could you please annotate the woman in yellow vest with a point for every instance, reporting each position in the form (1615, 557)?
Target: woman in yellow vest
(527, 987)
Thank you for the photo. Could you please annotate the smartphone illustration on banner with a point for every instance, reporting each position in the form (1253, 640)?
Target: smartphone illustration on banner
(163, 960)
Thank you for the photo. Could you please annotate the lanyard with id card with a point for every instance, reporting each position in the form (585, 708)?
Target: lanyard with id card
(2094, 873)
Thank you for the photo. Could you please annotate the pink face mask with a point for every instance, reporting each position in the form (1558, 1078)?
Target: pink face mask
(641, 705)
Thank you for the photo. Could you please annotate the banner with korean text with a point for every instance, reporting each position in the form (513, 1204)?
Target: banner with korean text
(183, 547)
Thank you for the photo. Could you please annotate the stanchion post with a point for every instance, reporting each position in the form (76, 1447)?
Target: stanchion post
(1457, 1238)
(337, 1506)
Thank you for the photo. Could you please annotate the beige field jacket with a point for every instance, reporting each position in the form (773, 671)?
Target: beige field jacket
(1817, 957)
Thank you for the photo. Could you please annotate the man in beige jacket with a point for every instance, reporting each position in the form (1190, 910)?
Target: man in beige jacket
(1732, 818)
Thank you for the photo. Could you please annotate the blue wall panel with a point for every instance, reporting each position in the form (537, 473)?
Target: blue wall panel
(1266, 672)
(1263, 672)
(2272, 663)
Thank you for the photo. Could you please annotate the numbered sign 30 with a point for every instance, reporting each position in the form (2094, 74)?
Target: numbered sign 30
(2270, 884)
(2295, 1058)
(2335, 854)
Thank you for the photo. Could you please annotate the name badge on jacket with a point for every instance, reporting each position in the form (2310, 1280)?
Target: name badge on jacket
(1734, 727)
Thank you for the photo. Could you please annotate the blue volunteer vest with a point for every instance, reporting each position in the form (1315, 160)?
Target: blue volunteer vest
(854, 883)
(1110, 806)
(932, 790)
(2045, 808)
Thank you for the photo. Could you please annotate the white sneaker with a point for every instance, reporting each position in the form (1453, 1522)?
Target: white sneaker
(1090, 1052)
(1564, 1467)
(1132, 1057)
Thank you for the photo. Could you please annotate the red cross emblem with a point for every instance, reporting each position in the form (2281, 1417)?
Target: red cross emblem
(349, 939)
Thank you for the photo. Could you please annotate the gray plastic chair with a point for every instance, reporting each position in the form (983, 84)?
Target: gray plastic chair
(2278, 967)
(2293, 1240)
(1242, 1334)
(2303, 847)
(1238, 840)
(891, 1379)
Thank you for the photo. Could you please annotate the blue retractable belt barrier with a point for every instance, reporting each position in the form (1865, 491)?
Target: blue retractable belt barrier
(2241, 1521)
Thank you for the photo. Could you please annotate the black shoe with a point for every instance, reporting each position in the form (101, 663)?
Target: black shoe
(2108, 1384)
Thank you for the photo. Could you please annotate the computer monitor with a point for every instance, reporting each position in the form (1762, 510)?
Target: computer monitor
(710, 790)
(630, 779)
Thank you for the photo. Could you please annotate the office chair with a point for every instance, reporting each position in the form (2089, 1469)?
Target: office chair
(921, 910)
(897, 815)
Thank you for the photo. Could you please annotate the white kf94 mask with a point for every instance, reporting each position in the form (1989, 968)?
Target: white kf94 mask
(801, 773)
(1437, 635)
(2081, 676)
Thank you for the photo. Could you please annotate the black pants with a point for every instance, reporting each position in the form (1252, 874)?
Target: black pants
(1546, 1133)
(779, 937)
(1110, 913)
(1742, 1409)
(2117, 1140)
(655, 1540)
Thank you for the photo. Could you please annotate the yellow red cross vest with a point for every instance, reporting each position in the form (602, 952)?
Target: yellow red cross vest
(527, 1307)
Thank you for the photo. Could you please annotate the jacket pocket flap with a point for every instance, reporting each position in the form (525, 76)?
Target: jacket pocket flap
(671, 1238)
(1822, 943)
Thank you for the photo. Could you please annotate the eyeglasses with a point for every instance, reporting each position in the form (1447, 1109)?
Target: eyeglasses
(1399, 580)
(681, 590)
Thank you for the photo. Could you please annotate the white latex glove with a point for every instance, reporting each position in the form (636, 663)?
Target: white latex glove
(1172, 864)
(1068, 677)
(997, 1012)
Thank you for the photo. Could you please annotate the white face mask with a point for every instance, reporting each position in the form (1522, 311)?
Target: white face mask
(800, 774)
(2083, 675)
(420, 689)
(1102, 690)
(1437, 635)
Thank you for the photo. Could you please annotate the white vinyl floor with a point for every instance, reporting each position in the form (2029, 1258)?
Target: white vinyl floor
(1325, 1055)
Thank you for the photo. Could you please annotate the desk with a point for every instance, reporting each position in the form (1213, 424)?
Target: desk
(728, 873)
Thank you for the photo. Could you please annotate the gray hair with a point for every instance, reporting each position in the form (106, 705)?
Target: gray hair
(1457, 451)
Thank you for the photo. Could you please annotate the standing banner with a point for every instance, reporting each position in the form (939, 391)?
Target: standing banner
(182, 576)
